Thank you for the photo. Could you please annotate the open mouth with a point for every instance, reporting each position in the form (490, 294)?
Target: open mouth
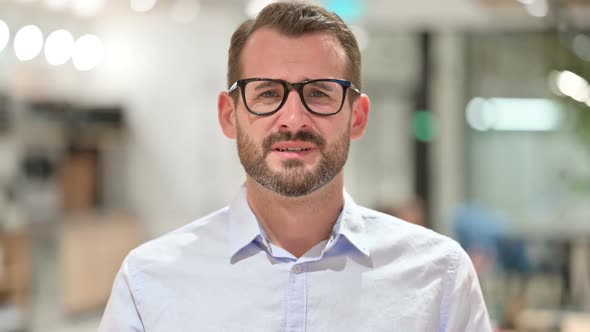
(293, 149)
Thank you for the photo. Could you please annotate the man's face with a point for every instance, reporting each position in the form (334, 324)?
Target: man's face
(292, 152)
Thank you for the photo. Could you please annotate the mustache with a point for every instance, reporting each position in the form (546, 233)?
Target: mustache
(302, 135)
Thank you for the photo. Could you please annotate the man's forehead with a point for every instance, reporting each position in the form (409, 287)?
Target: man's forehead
(267, 47)
(268, 34)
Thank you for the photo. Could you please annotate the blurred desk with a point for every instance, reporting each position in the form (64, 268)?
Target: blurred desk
(552, 231)
(15, 267)
(92, 248)
(553, 320)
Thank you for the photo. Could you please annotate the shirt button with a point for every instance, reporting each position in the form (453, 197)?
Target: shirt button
(297, 269)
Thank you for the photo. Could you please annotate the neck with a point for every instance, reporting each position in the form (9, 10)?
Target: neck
(297, 224)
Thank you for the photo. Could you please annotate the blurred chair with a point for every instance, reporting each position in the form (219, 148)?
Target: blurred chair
(411, 211)
(484, 235)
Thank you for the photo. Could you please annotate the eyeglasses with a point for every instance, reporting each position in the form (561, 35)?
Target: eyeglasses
(265, 96)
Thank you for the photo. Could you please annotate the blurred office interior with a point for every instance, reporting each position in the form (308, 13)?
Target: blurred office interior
(479, 129)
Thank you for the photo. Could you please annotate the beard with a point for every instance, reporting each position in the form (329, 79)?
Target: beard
(293, 180)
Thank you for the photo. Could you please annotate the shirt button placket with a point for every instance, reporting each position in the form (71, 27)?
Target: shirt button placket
(296, 302)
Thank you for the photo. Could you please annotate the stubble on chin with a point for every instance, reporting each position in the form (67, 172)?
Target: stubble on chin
(293, 180)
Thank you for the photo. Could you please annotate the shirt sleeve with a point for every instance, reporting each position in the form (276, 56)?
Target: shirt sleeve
(121, 314)
(464, 308)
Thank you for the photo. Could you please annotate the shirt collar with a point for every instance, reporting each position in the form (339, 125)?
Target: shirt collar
(350, 224)
(243, 227)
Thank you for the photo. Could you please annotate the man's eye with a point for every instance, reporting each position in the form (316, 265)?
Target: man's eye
(269, 94)
(317, 93)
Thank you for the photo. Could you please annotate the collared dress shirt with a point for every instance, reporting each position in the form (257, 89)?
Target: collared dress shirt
(219, 273)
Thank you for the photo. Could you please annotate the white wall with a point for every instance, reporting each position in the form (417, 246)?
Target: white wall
(180, 164)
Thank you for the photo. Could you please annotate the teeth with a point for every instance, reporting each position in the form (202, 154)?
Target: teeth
(293, 149)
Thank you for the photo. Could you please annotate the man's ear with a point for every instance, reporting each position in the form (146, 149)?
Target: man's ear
(226, 109)
(360, 116)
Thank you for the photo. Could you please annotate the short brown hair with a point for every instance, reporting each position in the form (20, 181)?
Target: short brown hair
(296, 18)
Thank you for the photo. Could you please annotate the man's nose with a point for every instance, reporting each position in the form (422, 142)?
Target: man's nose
(293, 115)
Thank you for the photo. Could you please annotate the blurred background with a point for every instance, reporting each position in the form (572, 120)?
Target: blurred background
(480, 130)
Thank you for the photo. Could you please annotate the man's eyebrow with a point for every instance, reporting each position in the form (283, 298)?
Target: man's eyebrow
(266, 84)
(322, 85)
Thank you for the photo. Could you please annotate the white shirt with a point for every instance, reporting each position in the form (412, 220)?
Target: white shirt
(375, 273)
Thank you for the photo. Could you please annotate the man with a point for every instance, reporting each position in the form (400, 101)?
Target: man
(293, 252)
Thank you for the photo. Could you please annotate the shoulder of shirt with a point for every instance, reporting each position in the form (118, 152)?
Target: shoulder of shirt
(170, 245)
(385, 233)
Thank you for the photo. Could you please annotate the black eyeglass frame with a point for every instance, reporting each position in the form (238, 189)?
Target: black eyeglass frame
(293, 86)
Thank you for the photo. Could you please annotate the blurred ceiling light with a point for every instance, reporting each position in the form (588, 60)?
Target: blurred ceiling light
(87, 8)
(513, 114)
(552, 82)
(58, 47)
(581, 46)
(255, 6)
(185, 11)
(56, 4)
(88, 52)
(573, 86)
(142, 6)
(582, 94)
(28, 42)
(362, 36)
(526, 2)
(478, 115)
(538, 8)
(4, 35)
